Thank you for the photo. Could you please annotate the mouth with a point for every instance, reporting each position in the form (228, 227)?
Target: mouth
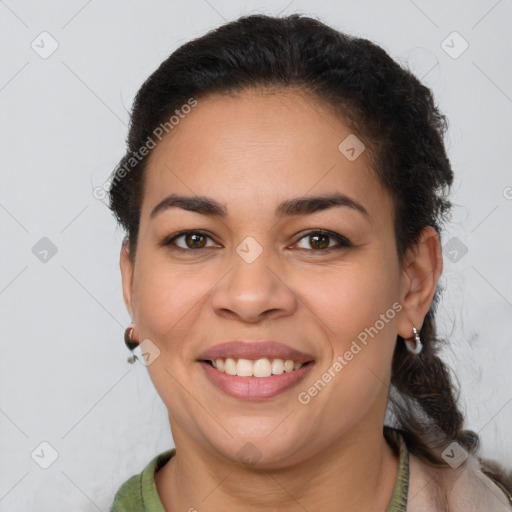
(259, 380)
(259, 368)
(255, 369)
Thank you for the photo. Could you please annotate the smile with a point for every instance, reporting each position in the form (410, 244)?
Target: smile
(263, 367)
(255, 380)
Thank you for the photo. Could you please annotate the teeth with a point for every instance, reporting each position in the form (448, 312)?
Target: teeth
(277, 366)
(244, 368)
(260, 368)
(230, 366)
(288, 365)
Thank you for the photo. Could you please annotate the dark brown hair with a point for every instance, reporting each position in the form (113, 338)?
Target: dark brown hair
(388, 108)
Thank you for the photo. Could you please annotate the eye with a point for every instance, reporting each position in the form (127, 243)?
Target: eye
(320, 240)
(192, 240)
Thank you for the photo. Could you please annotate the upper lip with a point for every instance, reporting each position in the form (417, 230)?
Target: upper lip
(257, 349)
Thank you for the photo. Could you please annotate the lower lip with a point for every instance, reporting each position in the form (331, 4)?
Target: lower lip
(255, 388)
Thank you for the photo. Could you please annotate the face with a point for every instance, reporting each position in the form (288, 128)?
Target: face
(320, 277)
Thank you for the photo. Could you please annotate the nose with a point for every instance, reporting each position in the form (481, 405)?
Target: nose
(253, 291)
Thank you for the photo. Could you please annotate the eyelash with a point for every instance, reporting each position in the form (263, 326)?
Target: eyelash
(342, 241)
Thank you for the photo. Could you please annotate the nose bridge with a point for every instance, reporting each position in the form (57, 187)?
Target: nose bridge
(251, 274)
(253, 286)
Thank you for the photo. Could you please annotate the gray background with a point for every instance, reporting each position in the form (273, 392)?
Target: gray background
(64, 375)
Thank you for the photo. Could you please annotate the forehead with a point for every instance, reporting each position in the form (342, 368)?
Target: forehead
(266, 145)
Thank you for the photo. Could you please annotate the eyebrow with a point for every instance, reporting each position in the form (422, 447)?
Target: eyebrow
(296, 206)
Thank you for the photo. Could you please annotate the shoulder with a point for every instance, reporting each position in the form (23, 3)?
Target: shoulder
(129, 496)
(463, 489)
(139, 492)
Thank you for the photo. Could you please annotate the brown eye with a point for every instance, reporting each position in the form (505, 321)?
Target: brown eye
(195, 241)
(187, 241)
(321, 241)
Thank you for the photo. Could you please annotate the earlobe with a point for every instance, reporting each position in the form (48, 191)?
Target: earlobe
(126, 266)
(422, 268)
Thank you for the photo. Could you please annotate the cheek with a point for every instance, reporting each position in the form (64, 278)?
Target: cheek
(168, 303)
(168, 300)
(359, 304)
(361, 312)
(354, 298)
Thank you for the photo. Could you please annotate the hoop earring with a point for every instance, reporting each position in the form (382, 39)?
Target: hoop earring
(417, 347)
(130, 343)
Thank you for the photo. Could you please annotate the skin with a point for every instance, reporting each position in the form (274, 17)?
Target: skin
(251, 151)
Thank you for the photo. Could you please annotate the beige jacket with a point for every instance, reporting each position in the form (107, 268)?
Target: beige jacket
(465, 489)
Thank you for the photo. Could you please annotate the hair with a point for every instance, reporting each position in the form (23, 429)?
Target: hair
(387, 107)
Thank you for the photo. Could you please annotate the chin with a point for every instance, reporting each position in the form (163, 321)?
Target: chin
(262, 451)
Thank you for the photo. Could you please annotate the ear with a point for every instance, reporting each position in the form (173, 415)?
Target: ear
(127, 277)
(422, 267)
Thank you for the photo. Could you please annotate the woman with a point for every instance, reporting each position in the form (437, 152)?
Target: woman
(283, 193)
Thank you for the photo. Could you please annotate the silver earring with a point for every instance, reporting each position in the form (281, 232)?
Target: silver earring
(417, 346)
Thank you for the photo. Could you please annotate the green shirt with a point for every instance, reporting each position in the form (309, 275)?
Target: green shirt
(139, 493)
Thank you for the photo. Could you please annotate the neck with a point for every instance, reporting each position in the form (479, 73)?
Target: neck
(356, 473)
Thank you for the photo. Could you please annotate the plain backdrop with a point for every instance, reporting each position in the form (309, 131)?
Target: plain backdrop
(69, 71)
